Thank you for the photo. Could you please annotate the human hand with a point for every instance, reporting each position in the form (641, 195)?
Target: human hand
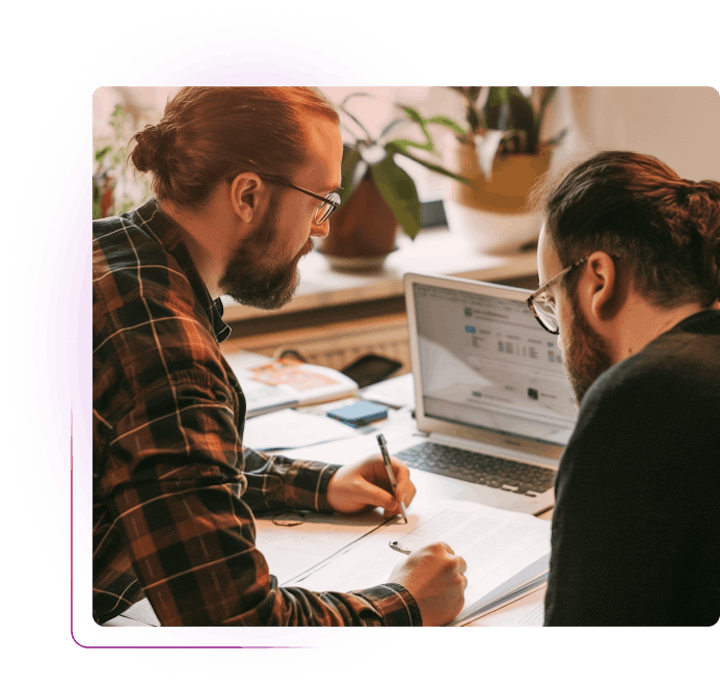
(364, 485)
(435, 577)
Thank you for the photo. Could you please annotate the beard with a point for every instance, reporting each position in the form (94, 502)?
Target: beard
(254, 277)
(587, 355)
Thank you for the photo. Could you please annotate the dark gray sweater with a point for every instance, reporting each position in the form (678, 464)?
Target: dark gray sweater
(636, 527)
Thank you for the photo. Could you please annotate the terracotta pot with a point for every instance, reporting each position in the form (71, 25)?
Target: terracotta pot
(507, 190)
(364, 226)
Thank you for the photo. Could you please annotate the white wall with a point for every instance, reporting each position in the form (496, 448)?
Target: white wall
(679, 125)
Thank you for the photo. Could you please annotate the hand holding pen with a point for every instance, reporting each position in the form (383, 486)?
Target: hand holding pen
(363, 485)
(390, 473)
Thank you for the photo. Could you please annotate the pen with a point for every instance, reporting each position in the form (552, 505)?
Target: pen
(389, 470)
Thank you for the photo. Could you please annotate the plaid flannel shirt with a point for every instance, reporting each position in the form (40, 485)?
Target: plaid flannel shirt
(174, 490)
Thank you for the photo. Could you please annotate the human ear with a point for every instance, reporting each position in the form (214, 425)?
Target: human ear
(244, 192)
(602, 284)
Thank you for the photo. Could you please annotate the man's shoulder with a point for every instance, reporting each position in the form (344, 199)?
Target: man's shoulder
(128, 240)
(136, 280)
(682, 362)
(664, 397)
(130, 257)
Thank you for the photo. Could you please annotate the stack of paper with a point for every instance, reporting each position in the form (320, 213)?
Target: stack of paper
(507, 554)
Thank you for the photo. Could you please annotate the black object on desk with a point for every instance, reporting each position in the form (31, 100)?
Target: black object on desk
(371, 369)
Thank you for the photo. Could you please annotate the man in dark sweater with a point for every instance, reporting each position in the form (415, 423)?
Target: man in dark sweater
(628, 261)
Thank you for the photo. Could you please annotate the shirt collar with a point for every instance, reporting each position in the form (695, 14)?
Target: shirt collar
(167, 233)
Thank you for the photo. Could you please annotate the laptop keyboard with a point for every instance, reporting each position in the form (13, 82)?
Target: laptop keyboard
(518, 477)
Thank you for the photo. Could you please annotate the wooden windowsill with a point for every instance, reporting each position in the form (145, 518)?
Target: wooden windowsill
(434, 250)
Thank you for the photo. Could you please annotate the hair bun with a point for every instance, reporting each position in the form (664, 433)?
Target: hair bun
(709, 187)
(149, 151)
(704, 204)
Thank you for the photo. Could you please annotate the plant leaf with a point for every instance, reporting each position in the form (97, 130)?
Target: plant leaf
(367, 134)
(526, 91)
(391, 149)
(351, 132)
(549, 92)
(400, 192)
(343, 109)
(447, 122)
(388, 128)
(487, 150)
(352, 171)
(522, 116)
(497, 109)
(556, 139)
(403, 144)
(101, 153)
(416, 117)
(354, 95)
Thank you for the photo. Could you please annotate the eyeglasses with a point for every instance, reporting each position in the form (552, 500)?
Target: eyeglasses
(543, 307)
(330, 202)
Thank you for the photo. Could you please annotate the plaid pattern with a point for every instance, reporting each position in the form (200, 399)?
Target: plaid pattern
(173, 488)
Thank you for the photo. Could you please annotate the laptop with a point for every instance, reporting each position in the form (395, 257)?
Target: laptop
(493, 405)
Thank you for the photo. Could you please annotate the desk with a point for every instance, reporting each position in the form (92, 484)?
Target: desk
(432, 491)
(338, 316)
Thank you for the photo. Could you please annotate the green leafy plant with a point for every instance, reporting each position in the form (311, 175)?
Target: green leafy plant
(502, 120)
(368, 155)
(115, 189)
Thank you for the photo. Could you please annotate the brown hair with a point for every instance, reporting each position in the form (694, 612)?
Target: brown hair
(209, 133)
(636, 208)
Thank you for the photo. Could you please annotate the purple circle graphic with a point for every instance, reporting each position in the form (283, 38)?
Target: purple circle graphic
(49, 323)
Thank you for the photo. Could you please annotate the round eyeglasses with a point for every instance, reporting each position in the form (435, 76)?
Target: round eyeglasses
(329, 203)
(543, 307)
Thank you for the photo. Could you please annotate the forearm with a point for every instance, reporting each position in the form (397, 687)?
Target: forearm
(274, 482)
(202, 567)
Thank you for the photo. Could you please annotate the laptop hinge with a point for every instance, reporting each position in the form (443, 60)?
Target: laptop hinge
(501, 451)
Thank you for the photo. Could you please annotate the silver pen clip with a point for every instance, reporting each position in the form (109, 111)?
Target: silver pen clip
(395, 546)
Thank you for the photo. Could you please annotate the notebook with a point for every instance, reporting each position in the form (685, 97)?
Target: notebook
(490, 390)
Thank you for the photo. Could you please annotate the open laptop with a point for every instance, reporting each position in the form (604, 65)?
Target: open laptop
(489, 380)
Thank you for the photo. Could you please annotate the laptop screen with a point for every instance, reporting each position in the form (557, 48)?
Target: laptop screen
(485, 362)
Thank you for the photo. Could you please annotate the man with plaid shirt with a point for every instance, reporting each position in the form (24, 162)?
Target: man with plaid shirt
(243, 178)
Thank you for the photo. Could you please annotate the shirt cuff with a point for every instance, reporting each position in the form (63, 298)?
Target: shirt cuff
(394, 603)
(309, 485)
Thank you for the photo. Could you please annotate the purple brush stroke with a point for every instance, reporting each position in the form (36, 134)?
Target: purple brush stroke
(49, 301)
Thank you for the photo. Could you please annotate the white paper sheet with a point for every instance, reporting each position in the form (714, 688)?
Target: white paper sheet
(398, 391)
(496, 544)
(291, 429)
(293, 542)
(528, 612)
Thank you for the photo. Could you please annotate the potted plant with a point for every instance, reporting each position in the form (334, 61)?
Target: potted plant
(115, 190)
(501, 151)
(378, 195)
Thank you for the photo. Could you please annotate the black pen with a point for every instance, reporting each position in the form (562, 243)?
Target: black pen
(389, 469)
